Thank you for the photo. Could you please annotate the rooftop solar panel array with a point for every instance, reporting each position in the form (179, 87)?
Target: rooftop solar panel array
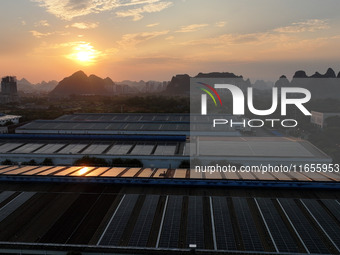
(142, 149)
(98, 171)
(119, 149)
(49, 148)
(306, 232)
(282, 238)
(113, 172)
(72, 149)
(5, 194)
(51, 171)
(9, 146)
(169, 237)
(333, 206)
(95, 149)
(225, 237)
(21, 170)
(14, 204)
(165, 150)
(141, 231)
(115, 228)
(195, 229)
(249, 233)
(323, 219)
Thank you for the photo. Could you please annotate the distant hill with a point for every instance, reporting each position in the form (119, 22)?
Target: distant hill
(81, 84)
(180, 84)
(320, 85)
(28, 87)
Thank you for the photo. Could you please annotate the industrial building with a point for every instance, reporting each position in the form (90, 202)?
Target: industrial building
(9, 90)
(159, 208)
(318, 118)
(4, 119)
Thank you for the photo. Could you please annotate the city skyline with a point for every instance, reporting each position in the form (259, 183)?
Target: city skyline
(156, 39)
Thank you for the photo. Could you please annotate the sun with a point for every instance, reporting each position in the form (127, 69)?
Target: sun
(84, 53)
(84, 56)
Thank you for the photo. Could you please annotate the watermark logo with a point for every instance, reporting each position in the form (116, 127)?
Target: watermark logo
(238, 99)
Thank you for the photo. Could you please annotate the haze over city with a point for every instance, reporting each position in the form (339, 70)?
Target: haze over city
(156, 39)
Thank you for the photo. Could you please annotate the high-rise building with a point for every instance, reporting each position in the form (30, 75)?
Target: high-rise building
(9, 91)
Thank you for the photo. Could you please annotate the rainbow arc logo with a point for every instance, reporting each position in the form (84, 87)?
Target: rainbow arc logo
(209, 93)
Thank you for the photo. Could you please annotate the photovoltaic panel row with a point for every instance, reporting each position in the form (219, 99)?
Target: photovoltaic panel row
(195, 229)
(37, 170)
(119, 149)
(282, 238)
(250, 236)
(82, 171)
(119, 220)
(131, 172)
(165, 150)
(141, 231)
(50, 148)
(28, 148)
(9, 146)
(172, 222)
(324, 220)
(72, 149)
(180, 173)
(98, 171)
(52, 170)
(147, 172)
(5, 194)
(113, 172)
(142, 149)
(21, 169)
(7, 169)
(333, 206)
(303, 227)
(225, 237)
(95, 149)
(67, 171)
(14, 204)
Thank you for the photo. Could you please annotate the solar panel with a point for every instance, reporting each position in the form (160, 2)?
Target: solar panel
(72, 149)
(52, 170)
(67, 171)
(95, 149)
(119, 149)
(14, 204)
(147, 172)
(141, 231)
(97, 171)
(172, 222)
(303, 227)
(333, 206)
(194, 174)
(142, 149)
(195, 229)
(9, 146)
(21, 170)
(82, 171)
(324, 220)
(131, 172)
(223, 226)
(115, 228)
(50, 148)
(180, 173)
(250, 236)
(5, 194)
(282, 238)
(27, 148)
(113, 172)
(37, 170)
(4, 170)
(165, 150)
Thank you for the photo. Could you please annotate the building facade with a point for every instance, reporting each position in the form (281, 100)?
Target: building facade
(9, 90)
(318, 118)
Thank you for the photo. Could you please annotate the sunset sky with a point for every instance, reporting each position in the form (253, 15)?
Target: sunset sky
(156, 39)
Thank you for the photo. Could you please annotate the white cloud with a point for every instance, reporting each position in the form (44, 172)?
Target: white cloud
(39, 34)
(42, 23)
(191, 28)
(83, 25)
(131, 40)
(152, 25)
(310, 25)
(137, 13)
(220, 24)
(69, 9)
